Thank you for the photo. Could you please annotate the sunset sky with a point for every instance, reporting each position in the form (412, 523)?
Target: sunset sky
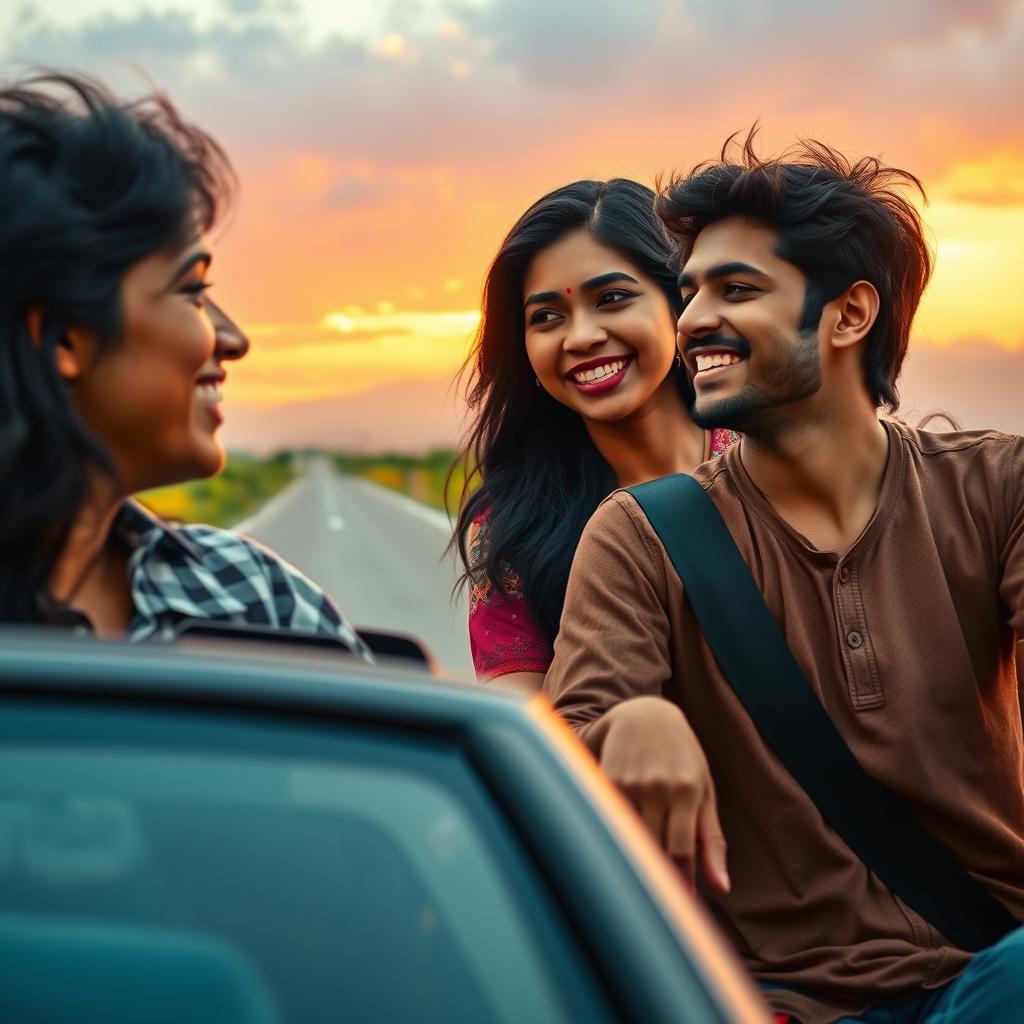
(384, 148)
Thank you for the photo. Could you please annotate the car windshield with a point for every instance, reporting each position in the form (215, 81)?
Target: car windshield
(363, 886)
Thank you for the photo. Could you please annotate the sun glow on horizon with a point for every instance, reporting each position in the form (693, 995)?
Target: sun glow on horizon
(384, 151)
(974, 295)
(975, 223)
(348, 352)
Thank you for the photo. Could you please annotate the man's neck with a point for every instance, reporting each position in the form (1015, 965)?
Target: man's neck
(822, 475)
(659, 440)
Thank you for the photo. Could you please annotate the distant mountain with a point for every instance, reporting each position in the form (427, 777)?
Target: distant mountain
(979, 383)
(408, 416)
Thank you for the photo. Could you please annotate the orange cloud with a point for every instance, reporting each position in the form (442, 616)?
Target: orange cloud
(348, 352)
(386, 168)
(976, 220)
(993, 179)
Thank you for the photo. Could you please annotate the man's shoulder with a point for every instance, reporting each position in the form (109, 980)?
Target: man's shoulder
(620, 519)
(988, 461)
(618, 508)
(710, 475)
(959, 443)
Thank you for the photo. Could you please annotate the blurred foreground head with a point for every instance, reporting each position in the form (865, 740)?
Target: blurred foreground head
(109, 364)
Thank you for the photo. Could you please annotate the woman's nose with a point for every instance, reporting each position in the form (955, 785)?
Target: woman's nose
(583, 332)
(232, 342)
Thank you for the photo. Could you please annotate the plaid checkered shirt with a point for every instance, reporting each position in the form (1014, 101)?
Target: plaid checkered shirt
(200, 572)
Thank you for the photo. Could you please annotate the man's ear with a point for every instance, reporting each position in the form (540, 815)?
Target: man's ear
(856, 312)
(74, 351)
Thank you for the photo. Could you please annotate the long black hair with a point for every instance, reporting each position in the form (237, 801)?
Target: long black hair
(531, 465)
(89, 185)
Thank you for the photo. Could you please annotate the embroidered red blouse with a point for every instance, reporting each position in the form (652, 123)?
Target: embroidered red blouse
(504, 636)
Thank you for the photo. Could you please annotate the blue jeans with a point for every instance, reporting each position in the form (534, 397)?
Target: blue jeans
(990, 991)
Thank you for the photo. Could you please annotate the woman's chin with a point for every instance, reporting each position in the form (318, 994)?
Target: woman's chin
(208, 459)
(608, 408)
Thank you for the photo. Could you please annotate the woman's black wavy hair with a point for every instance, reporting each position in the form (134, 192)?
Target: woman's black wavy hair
(530, 463)
(89, 185)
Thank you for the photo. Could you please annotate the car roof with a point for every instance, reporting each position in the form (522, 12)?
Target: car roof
(285, 681)
(246, 673)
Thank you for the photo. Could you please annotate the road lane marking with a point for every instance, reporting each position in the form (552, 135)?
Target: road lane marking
(428, 515)
(335, 522)
(269, 511)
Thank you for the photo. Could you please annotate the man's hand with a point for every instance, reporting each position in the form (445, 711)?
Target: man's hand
(648, 749)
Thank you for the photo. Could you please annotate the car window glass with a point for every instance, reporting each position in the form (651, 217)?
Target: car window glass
(355, 887)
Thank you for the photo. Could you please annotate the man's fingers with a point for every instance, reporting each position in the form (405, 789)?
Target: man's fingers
(649, 802)
(712, 844)
(681, 838)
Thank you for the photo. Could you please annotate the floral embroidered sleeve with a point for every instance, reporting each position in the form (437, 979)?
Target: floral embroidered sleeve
(504, 637)
(721, 439)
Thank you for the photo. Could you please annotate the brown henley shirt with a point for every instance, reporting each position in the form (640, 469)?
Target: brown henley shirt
(908, 639)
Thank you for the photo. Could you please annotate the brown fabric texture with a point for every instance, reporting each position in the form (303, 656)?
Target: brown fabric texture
(908, 640)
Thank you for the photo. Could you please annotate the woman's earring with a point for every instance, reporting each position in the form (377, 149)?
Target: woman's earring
(536, 380)
(679, 359)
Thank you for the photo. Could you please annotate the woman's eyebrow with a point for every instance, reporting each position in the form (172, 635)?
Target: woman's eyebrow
(191, 261)
(601, 280)
(536, 297)
(588, 286)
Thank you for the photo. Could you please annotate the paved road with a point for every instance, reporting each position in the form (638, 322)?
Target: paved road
(375, 552)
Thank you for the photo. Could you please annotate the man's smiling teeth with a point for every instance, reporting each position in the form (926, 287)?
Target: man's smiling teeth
(717, 359)
(599, 372)
(209, 393)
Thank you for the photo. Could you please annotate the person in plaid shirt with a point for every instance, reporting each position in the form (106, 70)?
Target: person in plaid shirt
(177, 573)
(112, 361)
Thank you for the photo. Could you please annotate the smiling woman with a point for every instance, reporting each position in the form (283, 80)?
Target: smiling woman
(111, 364)
(578, 389)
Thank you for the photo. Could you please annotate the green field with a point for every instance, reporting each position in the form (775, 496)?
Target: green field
(247, 483)
(243, 486)
(421, 477)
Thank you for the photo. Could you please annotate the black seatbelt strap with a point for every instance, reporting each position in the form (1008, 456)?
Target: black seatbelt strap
(752, 652)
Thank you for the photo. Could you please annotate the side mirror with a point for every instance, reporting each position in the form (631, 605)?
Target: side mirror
(412, 653)
(201, 630)
(406, 651)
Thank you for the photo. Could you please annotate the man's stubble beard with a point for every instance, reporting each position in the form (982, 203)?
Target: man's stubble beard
(789, 378)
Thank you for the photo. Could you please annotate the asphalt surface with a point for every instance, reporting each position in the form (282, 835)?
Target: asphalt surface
(377, 553)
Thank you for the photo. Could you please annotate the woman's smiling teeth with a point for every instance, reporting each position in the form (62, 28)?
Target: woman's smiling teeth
(709, 362)
(208, 393)
(599, 372)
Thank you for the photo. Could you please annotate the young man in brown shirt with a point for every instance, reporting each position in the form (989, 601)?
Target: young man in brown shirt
(891, 558)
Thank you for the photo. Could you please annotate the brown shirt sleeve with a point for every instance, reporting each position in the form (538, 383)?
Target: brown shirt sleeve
(1011, 585)
(613, 641)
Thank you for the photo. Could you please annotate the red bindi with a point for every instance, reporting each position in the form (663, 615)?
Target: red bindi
(568, 291)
